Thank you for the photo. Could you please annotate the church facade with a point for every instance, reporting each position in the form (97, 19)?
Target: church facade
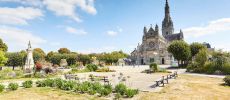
(153, 48)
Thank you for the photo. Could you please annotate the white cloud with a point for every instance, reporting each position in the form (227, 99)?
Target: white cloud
(112, 33)
(17, 39)
(68, 7)
(37, 3)
(74, 31)
(19, 15)
(214, 27)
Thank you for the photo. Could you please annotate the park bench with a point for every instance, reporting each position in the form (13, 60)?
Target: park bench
(159, 82)
(174, 75)
(149, 71)
(105, 79)
(164, 80)
(71, 77)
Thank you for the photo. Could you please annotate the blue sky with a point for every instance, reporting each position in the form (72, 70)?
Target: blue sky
(88, 26)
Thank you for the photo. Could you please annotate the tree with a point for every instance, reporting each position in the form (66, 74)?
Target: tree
(180, 51)
(71, 58)
(3, 59)
(3, 46)
(64, 51)
(112, 57)
(38, 54)
(85, 59)
(56, 58)
(195, 48)
(201, 57)
(15, 59)
(49, 55)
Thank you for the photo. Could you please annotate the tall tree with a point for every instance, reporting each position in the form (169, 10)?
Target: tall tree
(180, 51)
(15, 59)
(38, 55)
(85, 59)
(3, 59)
(64, 51)
(49, 55)
(3, 46)
(196, 47)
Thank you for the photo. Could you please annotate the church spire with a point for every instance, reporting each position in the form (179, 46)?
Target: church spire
(167, 10)
(167, 24)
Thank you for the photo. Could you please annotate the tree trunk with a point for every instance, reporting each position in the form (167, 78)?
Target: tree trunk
(13, 67)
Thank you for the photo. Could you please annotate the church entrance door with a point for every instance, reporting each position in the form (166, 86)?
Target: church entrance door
(142, 61)
(163, 61)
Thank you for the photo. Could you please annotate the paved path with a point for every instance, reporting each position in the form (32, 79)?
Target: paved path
(205, 75)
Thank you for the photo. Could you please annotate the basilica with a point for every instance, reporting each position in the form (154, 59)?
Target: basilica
(153, 48)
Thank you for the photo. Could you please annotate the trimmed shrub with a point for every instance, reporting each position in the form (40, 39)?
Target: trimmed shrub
(92, 67)
(131, 92)
(27, 84)
(68, 85)
(105, 91)
(59, 83)
(13, 86)
(40, 84)
(154, 67)
(226, 69)
(2, 87)
(96, 86)
(92, 91)
(38, 66)
(49, 83)
(118, 96)
(227, 80)
(84, 87)
(120, 88)
(209, 67)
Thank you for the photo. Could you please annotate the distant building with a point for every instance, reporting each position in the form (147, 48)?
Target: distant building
(208, 46)
(29, 64)
(154, 46)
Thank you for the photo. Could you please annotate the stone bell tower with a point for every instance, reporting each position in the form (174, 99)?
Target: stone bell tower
(167, 23)
(29, 64)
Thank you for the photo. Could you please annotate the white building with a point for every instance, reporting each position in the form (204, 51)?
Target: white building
(29, 64)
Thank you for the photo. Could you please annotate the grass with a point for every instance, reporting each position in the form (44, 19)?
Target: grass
(188, 87)
(45, 93)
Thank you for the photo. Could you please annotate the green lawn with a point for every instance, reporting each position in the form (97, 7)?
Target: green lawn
(44, 93)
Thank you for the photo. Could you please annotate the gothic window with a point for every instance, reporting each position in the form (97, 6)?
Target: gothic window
(151, 44)
(167, 33)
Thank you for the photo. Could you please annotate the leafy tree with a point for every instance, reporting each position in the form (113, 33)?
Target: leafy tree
(181, 51)
(195, 48)
(201, 57)
(64, 51)
(3, 59)
(71, 59)
(56, 58)
(49, 55)
(38, 54)
(15, 59)
(85, 59)
(112, 57)
(3, 46)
